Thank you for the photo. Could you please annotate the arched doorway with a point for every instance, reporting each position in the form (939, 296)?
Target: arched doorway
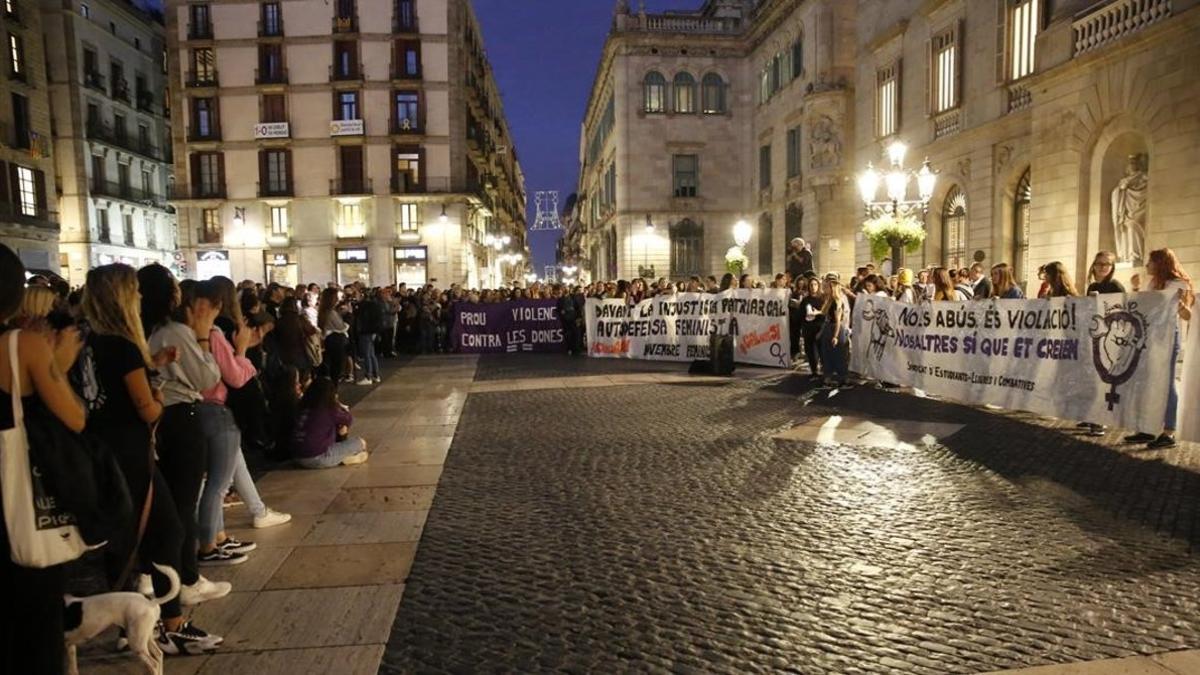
(954, 228)
(1020, 236)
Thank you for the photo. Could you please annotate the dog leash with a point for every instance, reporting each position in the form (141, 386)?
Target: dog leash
(145, 517)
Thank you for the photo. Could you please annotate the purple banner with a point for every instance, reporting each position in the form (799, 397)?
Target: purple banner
(507, 327)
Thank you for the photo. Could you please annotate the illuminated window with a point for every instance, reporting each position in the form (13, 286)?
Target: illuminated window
(712, 94)
(654, 98)
(685, 93)
(279, 221)
(27, 191)
(1023, 20)
(887, 100)
(352, 225)
(945, 71)
(409, 217)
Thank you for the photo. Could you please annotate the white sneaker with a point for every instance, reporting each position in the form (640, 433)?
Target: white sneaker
(356, 458)
(145, 586)
(203, 591)
(271, 518)
(365, 380)
(378, 380)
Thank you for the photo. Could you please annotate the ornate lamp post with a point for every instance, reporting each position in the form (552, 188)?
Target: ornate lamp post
(893, 219)
(735, 258)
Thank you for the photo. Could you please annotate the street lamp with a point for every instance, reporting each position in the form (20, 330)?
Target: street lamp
(895, 182)
(647, 270)
(741, 233)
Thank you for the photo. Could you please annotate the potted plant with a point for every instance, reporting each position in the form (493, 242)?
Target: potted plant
(894, 235)
(736, 261)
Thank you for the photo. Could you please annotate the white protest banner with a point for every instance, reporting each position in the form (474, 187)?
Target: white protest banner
(677, 327)
(1102, 359)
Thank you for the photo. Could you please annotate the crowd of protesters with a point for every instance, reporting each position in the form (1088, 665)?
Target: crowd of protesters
(199, 374)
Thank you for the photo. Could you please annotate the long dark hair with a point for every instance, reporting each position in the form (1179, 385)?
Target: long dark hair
(327, 305)
(1060, 281)
(321, 393)
(158, 289)
(12, 282)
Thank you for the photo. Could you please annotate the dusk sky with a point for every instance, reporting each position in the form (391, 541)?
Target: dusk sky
(544, 54)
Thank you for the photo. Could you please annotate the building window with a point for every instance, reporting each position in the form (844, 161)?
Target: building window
(85, 11)
(127, 227)
(405, 115)
(345, 60)
(209, 174)
(793, 152)
(270, 64)
(274, 108)
(793, 221)
(954, 228)
(27, 192)
(99, 175)
(408, 217)
(406, 15)
(408, 59)
(654, 93)
(1024, 19)
(272, 19)
(887, 100)
(210, 226)
(119, 128)
(685, 93)
(352, 225)
(407, 174)
(275, 173)
(279, 221)
(350, 159)
(712, 94)
(204, 67)
(21, 129)
(102, 230)
(147, 182)
(200, 24)
(797, 58)
(766, 244)
(945, 71)
(347, 105)
(686, 170)
(764, 167)
(1021, 203)
(687, 249)
(16, 57)
(204, 117)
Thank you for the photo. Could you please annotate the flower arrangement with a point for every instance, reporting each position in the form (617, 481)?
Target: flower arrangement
(736, 261)
(888, 232)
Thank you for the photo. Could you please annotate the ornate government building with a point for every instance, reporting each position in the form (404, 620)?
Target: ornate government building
(1057, 128)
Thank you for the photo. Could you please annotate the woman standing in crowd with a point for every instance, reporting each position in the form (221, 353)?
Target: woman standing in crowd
(322, 420)
(334, 332)
(1104, 266)
(32, 366)
(811, 320)
(181, 449)
(1166, 274)
(944, 289)
(123, 408)
(834, 336)
(1059, 282)
(904, 287)
(1004, 286)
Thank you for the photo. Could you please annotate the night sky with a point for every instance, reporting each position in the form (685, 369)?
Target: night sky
(544, 54)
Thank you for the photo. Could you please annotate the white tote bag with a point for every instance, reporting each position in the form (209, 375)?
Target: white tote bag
(40, 533)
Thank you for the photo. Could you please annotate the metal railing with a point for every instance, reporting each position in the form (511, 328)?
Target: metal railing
(107, 188)
(200, 31)
(120, 89)
(270, 28)
(270, 76)
(100, 131)
(337, 74)
(345, 24)
(1109, 21)
(94, 80)
(268, 189)
(208, 79)
(351, 186)
(181, 192)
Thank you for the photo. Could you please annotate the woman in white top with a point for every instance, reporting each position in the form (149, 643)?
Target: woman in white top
(1166, 274)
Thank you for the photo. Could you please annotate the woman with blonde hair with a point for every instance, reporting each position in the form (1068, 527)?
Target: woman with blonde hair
(1167, 274)
(1004, 286)
(36, 305)
(123, 407)
(1058, 281)
(944, 288)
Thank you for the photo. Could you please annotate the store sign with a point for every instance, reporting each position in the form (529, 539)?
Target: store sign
(272, 130)
(346, 128)
(351, 255)
(213, 263)
(280, 260)
(414, 253)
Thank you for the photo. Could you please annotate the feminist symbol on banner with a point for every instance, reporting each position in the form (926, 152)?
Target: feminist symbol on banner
(1118, 338)
(881, 328)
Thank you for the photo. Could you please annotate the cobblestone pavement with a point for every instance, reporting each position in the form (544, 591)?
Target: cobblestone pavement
(538, 366)
(661, 528)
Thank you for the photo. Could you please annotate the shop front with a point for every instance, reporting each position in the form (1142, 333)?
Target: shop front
(213, 263)
(352, 266)
(412, 266)
(279, 267)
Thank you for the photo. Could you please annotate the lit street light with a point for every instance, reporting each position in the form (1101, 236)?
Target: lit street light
(897, 208)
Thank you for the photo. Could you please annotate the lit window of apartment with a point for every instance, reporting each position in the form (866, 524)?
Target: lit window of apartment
(16, 57)
(279, 221)
(272, 19)
(205, 124)
(10, 8)
(1024, 18)
(408, 217)
(407, 174)
(793, 152)
(654, 93)
(204, 67)
(686, 170)
(208, 171)
(944, 71)
(27, 191)
(406, 112)
(407, 59)
(406, 15)
(85, 11)
(685, 93)
(887, 100)
(352, 225)
(275, 173)
(712, 93)
(347, 105)
(210, 226)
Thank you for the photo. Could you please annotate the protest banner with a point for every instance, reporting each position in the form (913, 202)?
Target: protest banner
(677, 327)
(1103, 359)
(507, 327)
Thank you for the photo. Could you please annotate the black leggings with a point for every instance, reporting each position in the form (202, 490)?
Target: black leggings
(162, 542)
(182, 461)
(335, 355)
(811, 330)
(31, 615)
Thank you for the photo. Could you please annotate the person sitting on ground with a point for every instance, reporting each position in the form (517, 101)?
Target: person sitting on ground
(322, 421)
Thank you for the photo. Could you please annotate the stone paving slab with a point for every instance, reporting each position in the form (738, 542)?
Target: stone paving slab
(353, 565)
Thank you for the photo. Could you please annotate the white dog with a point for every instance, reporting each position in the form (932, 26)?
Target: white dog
(131, 611)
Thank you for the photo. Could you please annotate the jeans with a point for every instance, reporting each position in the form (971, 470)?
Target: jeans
(244, 484)
(224, 443)
(1172, 393)
(334, 455)
(833, 358)
(182, 458)
(366, 347)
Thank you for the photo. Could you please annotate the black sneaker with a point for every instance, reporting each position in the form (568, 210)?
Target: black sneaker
(188, 640)
(1163, 441)
(218, 557)
(1139, 438)
(235, 545)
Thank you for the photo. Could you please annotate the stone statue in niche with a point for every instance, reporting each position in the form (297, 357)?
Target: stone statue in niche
(824, 145)
(1129, 212)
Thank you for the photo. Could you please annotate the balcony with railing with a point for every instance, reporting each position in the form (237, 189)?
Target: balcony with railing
(272, 28)
(125, 192)
(198, 135)
(105, 133)
(1106, 22)
(270, 76)
(345, 24)
(145, 101)
(120, 90)
(182, 192)
(94, 80)
(202, 78)
(200, 30)
(679, 23)
(350, 186)
(351, 73)
(275, 189)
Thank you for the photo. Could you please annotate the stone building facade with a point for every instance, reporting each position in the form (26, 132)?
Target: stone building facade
(111, 135)
(28, 209)
(1052, 100)
(1055, 126)
(356, 140)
